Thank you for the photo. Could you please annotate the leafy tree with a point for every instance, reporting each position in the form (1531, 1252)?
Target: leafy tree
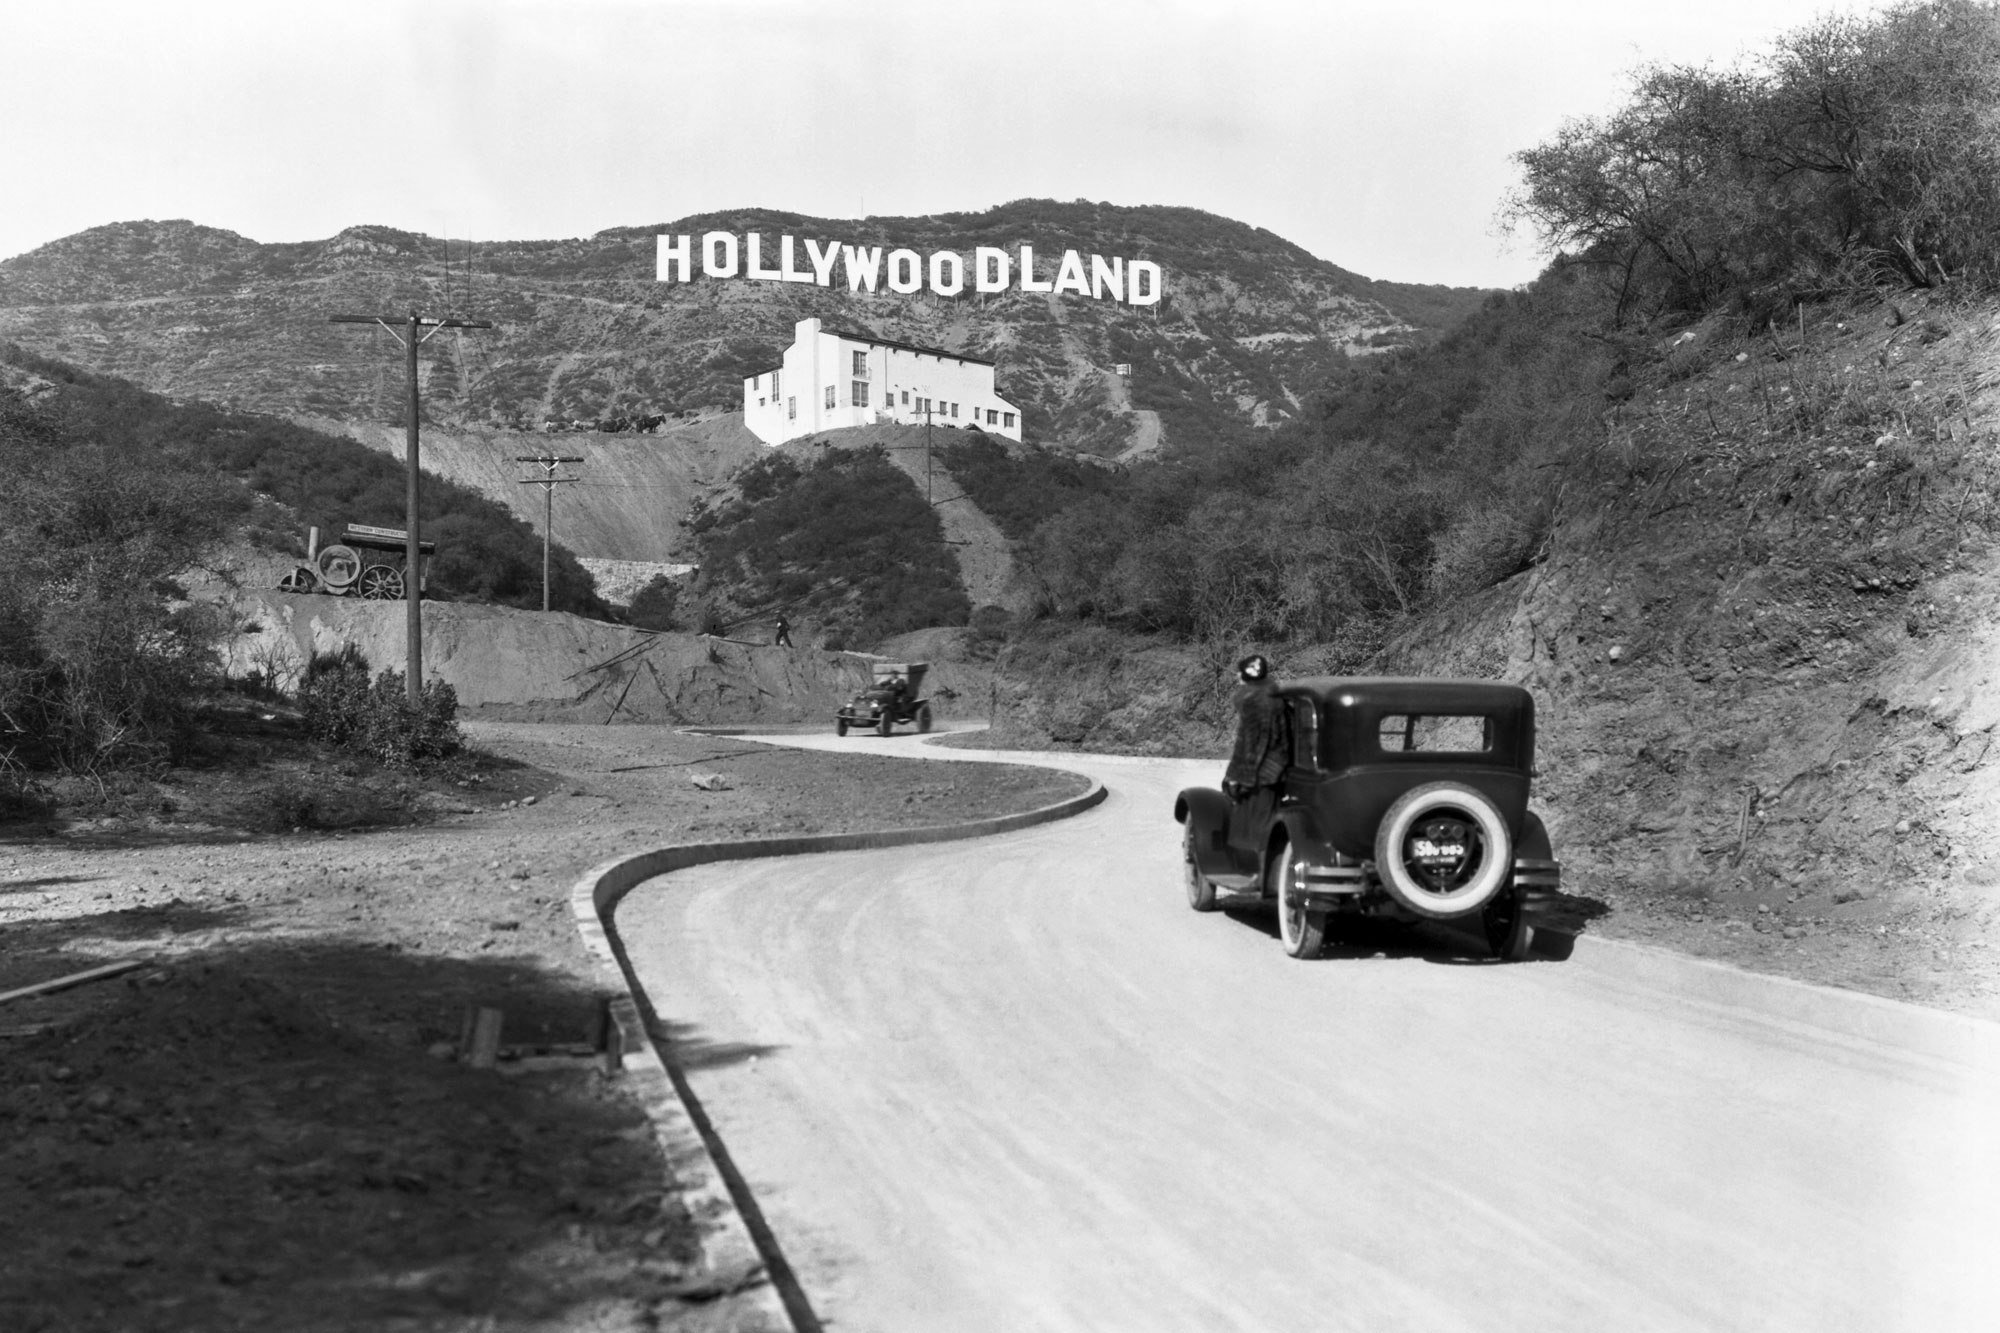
(1861, 150)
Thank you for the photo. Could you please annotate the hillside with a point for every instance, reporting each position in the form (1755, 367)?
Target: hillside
(632, 490)
(1251, 324)
(842, 539)
(1761, 631)
(282, 479)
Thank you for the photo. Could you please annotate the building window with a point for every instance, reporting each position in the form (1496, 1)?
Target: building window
(859, 389)
(1006, 418)
(992, 416)
(832, 395)
(861, 365)
(792, 408)
(906, 398)
(774, 386)
(954, 409)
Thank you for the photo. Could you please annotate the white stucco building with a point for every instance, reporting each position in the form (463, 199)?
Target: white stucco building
(830, 380)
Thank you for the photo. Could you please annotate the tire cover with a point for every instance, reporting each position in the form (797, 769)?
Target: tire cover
(1494, 850)
(339, 566)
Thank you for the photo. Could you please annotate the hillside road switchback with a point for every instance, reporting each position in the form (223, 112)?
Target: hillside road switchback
(1014, 1083)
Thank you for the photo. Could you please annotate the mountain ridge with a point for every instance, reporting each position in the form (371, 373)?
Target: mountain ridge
(1250, 327)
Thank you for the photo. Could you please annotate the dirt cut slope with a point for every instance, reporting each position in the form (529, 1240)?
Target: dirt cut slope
(631, 492)
(1764, 655)
(529, 664)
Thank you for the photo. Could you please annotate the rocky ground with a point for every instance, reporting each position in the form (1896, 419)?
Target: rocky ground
(268, 1123)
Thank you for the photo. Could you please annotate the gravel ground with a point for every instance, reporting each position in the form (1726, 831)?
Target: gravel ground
(268, 1125)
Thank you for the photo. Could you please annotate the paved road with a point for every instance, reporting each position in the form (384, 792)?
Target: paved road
(1014, 1084)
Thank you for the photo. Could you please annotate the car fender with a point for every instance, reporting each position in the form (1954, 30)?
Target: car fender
(1534, 839)
(1206, 811)
(1300, 829)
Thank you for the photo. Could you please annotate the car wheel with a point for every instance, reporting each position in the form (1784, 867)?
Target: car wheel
(1302, 930)
(1508, 933)
(840, 726)
(1443, 850)
(1200, 891)
(887, 724)
(924, 718)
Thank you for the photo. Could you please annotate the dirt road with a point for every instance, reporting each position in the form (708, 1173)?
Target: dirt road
(1016, 1084)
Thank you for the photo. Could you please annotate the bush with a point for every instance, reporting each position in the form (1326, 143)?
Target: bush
(653, 606)
(344, 709)
(101, 656)
(847, 543)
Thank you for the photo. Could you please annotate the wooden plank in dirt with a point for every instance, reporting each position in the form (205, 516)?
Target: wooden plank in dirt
(54, 984)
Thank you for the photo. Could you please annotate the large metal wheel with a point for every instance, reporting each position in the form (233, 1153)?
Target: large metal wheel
(339, 567)
(382, 583)
(1508, 933)
(1443, 850)
(299, 580)
(1200, 889)
(1302, 930)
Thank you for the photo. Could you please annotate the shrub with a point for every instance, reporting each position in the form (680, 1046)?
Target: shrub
(101, 656)
(653, 606)
(344, 709)
(848, 543)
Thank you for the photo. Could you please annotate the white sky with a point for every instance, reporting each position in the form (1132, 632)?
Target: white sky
(1375, 134)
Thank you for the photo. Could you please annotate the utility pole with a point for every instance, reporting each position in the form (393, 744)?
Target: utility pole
(412, 557)
(548, 482)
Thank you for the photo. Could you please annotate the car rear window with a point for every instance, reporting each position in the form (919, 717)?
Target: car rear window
(1454, 732)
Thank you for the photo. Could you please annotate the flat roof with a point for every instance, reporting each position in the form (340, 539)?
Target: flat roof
(907, 347)
(873, 341)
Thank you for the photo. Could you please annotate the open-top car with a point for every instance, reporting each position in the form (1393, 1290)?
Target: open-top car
(1400, 798)
(894, 695)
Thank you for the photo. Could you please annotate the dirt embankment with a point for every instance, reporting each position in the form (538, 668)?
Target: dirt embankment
(1767, 696)
(631, 492)
(530, 664)
(1763, 660)
(269, 1125)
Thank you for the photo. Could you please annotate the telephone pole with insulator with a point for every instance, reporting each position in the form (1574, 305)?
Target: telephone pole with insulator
(548, 482)
(411, 326)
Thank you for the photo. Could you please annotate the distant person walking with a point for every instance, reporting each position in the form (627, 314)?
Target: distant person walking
(784, 639)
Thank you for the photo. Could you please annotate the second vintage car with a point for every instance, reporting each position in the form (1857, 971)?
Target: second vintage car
(1401, 798)
(893, 697)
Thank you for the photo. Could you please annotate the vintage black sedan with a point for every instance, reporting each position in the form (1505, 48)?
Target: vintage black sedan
(1401, 798)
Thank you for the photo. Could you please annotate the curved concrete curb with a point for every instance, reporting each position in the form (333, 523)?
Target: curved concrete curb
(731, 1258)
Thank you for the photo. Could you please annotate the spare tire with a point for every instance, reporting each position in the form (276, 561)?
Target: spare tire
(1443, 850)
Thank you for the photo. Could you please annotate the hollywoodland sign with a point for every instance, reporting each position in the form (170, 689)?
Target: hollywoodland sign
(723, 254)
